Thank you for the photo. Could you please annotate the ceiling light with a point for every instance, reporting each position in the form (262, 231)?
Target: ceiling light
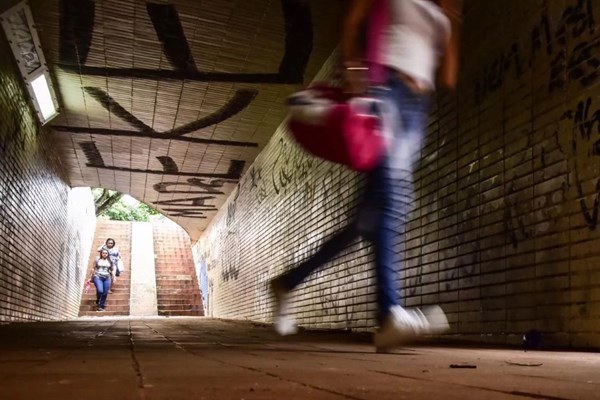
(18, 25)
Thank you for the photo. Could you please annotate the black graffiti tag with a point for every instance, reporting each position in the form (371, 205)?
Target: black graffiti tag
(205, 186)
(583, 123)
(240, 100)
(77, 19)
(579, 64)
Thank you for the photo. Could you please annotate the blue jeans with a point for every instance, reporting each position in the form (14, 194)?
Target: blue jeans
(384, 210)
(102, 287)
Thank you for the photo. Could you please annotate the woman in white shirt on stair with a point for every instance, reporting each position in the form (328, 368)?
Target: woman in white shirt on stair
(102, 274)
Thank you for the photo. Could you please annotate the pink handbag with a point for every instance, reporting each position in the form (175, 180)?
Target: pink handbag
(332, 126)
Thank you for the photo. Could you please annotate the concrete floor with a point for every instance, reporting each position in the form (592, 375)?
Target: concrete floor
(201, 358)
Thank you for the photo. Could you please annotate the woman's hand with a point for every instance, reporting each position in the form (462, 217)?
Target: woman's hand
(449, 63)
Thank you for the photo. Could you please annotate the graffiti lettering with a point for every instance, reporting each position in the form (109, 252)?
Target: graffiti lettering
(584, 145)
(191, 213)
(76, 37)
(257, 184)
(231, 208)
(92, 154)
(240, 100)
(199, 212)
(207, 187)
(233, 174)
(579, 64)
(583, 122)
(194, 202)
(291, 167)
(168, 164)
(495, 72)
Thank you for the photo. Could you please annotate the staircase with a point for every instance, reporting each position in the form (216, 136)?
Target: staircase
(117, 302)
(177, 287)
(177, 291)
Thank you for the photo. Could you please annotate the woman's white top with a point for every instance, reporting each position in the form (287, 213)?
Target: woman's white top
(414, 37)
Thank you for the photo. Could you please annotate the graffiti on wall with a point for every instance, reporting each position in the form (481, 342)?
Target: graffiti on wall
(550, 40)
(290, 168)
(568, 45)
(77, 36)
(256, 184)
(581, 150)
(77, 39)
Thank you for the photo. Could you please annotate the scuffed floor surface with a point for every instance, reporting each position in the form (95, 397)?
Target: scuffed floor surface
(196, 358)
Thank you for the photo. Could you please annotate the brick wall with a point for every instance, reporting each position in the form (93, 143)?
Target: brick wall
(176, 281)
(504, 232)
(45, 227)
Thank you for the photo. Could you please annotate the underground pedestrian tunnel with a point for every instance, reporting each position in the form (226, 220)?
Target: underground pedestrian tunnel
(180, 104)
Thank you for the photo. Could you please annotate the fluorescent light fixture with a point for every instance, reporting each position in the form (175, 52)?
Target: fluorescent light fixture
(22, 36)
(43, 96)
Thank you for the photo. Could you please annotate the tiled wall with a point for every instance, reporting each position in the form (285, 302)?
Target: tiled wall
(45, 227)
(504, 232)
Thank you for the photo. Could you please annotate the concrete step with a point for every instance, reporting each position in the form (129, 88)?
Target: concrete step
(174, 277)
(94, 309)
(173, 307)
(180, 313)
(174, 301)
(117, 302)
(177, 290)
(110, 296)
(118, 289)
(175, 297)
(106, 313)
(168, 307)
(164, 282)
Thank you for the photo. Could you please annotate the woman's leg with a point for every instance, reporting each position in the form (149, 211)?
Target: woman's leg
(389, 193)
(285, 283)
(99, 284)
(292, 278)
(105, 287)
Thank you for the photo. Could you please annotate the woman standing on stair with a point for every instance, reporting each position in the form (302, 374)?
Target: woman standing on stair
(101, 276)
(115, 257)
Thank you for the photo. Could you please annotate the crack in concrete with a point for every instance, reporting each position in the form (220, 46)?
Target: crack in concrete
(272, 375)
(136, 366)
(99, 334)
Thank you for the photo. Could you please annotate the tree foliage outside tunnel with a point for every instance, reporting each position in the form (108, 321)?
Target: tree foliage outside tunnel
(116, 206)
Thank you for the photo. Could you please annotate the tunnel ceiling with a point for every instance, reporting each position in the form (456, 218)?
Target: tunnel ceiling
(172, 101)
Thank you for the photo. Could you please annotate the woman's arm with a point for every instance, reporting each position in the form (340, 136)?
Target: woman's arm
(354, 71)
(355, 17)
(449, 64)
(112, 270)
(94, 268)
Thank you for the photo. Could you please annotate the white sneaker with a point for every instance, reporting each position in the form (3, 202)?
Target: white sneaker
(436, 317)
(285, 324)
(405, 324)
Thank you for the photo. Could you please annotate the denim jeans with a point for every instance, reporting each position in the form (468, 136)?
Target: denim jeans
(386, 204)
(102, 287)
